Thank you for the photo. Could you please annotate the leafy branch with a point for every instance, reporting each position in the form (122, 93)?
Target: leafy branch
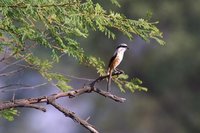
(56, 26)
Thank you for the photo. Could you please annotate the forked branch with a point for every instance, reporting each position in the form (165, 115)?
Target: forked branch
(51, 99)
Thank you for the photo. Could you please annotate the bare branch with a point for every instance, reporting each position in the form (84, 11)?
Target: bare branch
(4, 55)
(14, 63)
(11, 72)
(51, 99)
(72, 115)
(109, 95)
(11, 85)
(79, 78)
(22, 87)
(33, 106)
(70, 94)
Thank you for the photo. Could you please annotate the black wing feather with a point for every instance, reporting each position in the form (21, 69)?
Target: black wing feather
(111, 60)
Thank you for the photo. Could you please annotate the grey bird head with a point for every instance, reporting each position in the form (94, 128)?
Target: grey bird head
(123, 45)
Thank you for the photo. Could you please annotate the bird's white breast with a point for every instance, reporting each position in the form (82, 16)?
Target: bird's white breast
(120, 53)
(119, 56)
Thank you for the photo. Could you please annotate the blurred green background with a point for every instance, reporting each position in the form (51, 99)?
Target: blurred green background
(170, 72)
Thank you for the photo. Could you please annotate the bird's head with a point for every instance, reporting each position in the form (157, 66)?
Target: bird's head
(123, 46)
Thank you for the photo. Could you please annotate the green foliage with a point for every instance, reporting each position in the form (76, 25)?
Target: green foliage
(9, 114)
(132, 85)
(96, 63)
(39, 64)
(44, 67)
(135, 84)
(115, 2)
(63, 86)
(58, 25)
(59, 80)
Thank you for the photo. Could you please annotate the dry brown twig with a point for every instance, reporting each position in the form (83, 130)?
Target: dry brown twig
(51, 100)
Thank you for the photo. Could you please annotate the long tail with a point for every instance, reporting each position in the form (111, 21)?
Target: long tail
(109, 81)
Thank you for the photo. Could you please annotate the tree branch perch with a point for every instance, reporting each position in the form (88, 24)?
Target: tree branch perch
(51, 99)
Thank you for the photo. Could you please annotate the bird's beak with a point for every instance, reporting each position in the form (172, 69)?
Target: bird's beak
(127, 47)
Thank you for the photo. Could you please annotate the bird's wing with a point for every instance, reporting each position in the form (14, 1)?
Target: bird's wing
(111, 60)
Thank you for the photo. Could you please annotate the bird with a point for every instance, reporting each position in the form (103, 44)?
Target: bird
(115, 61)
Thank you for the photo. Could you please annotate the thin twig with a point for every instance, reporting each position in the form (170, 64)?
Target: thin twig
(4, 55)
(33, 106)
(14, 63)
(11, 72)
(26, 66)
(109, 95)
(79, 78)
(12, 85)
(23, 87)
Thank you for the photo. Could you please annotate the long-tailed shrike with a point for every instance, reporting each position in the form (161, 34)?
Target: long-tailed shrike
(115, 61)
